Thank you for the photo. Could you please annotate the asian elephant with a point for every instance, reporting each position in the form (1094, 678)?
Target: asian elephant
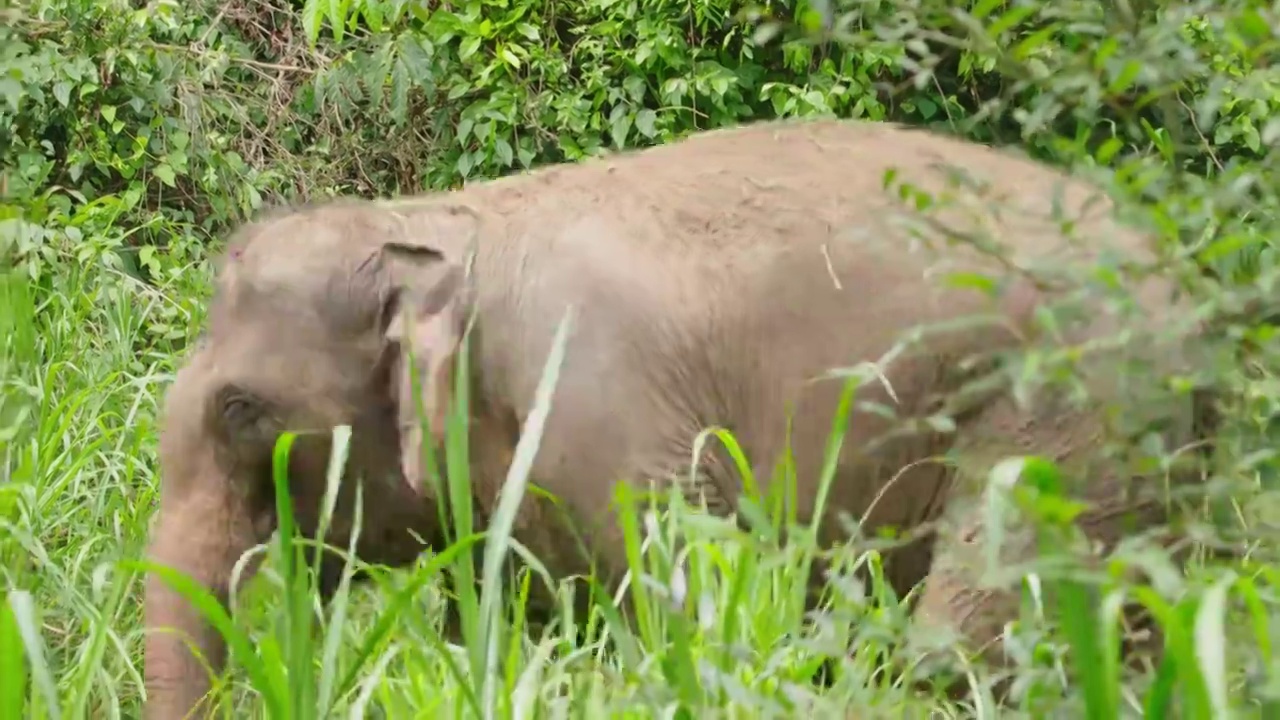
(714, 281)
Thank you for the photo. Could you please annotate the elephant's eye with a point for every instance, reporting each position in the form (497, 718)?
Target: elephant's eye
(239, 409)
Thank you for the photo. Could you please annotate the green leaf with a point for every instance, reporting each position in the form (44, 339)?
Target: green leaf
(458, 90)
(1108, 150)
(983, 8)
(1125, 78)
(977, 281)
(502, 149)
(337, 18)
(372, 12)
(620, 127)
(1252, 25)
(530, 32)
(165, 173)
(147, 258)
(400, 85)
(635, 87)
(463, 130)
(646, 120)
(12, 91)
(510, 57)
(311, 21)
(62, 93)
(927, 107)
(416, 56)
(1252, 139)
(468, 47)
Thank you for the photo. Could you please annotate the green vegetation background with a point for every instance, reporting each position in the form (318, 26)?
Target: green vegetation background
(134, 134)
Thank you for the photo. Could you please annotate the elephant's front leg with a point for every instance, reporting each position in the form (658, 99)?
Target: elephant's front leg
(202, 530)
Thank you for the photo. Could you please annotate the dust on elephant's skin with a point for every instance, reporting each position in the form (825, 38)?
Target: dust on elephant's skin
(713, 278)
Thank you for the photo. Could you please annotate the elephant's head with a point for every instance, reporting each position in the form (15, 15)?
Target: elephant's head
(306, 331)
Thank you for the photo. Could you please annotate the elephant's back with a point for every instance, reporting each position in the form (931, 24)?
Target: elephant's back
(722, 211)
(777, 250)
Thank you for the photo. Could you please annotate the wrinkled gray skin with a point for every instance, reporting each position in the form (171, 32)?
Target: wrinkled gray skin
(713, 279)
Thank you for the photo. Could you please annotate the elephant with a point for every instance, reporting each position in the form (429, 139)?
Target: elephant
(716, 280)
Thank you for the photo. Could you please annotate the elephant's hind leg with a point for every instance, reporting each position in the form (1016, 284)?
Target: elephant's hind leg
(975, 594)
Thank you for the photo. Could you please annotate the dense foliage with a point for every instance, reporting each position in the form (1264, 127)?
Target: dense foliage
(134, 134)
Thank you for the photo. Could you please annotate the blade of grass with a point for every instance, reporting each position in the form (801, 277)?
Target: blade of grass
(499, 529)
(13, 664)
(339, 451)
(298, 639)
(1210, 637)
(458, 477)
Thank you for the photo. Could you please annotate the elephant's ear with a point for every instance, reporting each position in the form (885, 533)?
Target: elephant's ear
(430, 242)
(424, 320)
(428, 332)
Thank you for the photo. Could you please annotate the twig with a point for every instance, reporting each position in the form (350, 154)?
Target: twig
(217, 19)
(274, 67)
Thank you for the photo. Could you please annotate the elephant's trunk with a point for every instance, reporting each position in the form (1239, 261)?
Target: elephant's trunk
(202, 530)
